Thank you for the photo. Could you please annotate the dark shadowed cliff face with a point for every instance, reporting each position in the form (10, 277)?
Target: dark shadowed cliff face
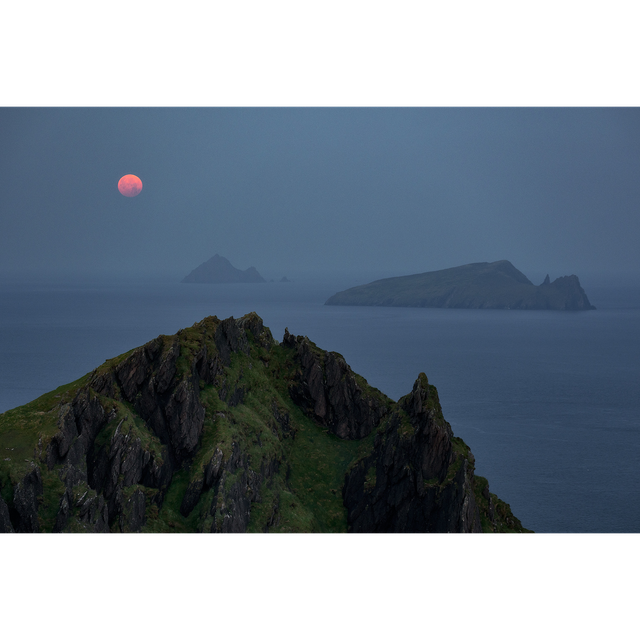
(418, 476)
(328, 391)
(221, 429)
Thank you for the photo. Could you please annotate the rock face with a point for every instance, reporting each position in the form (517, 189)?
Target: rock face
(418, 477)
(482, 285)
(221, 429)
(326, 390)
(219, 270)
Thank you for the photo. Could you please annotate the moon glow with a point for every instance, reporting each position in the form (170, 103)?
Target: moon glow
(130, 185)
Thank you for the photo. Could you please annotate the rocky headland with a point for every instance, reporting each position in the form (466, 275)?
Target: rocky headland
(220, 428)
(481, 285)
(219, 270)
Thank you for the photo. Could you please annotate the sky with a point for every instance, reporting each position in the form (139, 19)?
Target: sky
(314, 192)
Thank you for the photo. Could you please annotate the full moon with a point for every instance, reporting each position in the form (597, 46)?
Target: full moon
(130, 185)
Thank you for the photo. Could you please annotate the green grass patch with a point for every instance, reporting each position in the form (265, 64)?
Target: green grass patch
(169, 519)
(190, 341)
(480, 485)
(294, 516)
(112, 363)
(22, 427)
(319, 461)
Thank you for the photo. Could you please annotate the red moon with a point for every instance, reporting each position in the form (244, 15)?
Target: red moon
(130, 185)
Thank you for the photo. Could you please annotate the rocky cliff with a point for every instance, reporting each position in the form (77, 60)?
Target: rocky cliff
(481, 285)
(219, 270)
(219, 428)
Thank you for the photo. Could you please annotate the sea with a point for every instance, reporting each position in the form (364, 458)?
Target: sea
(548, 401)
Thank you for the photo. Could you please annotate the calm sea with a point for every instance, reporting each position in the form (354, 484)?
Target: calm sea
(548, 401)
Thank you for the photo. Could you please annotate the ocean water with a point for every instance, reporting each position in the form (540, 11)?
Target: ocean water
(549, 402)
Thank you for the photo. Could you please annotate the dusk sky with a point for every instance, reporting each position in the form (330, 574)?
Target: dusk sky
(309, 192)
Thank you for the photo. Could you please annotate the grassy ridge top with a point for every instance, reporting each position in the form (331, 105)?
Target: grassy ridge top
(107, 452)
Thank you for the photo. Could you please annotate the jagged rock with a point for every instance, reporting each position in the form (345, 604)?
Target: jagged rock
(230, 338)
(404, 485)
(212, 470)
(327, 389)
(25, 502)
(232, 510)
(78, 423)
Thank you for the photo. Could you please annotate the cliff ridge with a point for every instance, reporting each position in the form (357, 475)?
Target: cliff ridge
(220, 428)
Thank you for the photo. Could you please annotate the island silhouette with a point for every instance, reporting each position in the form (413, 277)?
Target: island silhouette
(480, 285)
(219, 270)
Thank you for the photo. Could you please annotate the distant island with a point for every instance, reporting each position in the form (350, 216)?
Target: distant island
(481, 285)
(219, 270)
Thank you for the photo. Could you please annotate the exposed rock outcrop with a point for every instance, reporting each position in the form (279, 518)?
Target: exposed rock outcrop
(327, 390)
(418, 477)
(25, 502)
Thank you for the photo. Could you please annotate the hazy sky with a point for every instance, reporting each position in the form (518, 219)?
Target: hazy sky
(372, 192)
